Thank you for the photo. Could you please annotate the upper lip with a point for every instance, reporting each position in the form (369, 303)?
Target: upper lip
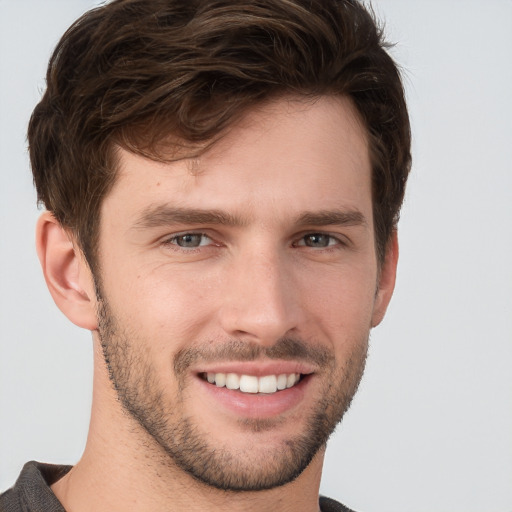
(257, 368)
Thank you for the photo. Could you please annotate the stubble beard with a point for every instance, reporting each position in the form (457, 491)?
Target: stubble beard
(180, 439)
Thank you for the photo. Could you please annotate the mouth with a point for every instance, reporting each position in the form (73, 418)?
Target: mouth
(255, 390)
(252, 384)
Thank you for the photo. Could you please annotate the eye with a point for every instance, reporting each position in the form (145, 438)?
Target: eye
(189, 240)
(318, 241)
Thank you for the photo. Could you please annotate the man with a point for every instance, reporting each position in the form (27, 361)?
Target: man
(222, 183)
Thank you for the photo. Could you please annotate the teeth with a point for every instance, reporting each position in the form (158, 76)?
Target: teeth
(250, 384)
(232, 381)
(220, 379)
(281, 381)
(292, 379)
(268, 384)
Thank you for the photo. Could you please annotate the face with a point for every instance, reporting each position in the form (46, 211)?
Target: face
(238, 290)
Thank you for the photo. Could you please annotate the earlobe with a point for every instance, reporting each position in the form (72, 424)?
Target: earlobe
(387, 278)
(66, 272)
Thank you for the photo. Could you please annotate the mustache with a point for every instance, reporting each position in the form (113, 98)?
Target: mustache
(236, 350)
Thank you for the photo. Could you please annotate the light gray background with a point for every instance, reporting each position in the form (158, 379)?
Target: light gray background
(431, 428)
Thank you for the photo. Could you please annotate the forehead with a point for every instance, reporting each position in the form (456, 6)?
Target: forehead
(288, 155)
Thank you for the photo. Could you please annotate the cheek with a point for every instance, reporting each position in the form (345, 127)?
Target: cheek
(341, 303)
(163, 304)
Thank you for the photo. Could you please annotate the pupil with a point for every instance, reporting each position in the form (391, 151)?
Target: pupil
(189, 240)
(317, 240)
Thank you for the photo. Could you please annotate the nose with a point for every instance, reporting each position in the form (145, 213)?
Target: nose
(260, 301)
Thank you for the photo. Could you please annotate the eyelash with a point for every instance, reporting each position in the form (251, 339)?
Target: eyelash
(331, 238)
(172, 241)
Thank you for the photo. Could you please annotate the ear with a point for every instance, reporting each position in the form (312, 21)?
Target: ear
(387, 277)
(66, 272)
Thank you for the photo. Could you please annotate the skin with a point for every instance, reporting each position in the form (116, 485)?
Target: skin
(290, 254)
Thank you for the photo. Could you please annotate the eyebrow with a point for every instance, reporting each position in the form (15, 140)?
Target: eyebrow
(332, 218)
(164, 215)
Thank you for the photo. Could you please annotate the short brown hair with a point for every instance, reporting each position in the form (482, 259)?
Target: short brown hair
(145, 74)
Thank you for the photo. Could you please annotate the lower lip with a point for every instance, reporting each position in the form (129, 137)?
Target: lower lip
(256, 405)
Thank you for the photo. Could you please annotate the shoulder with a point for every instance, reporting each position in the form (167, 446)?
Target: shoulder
(32, 491)
(330, 505)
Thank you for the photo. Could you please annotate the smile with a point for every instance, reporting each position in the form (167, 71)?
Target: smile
(267, 384)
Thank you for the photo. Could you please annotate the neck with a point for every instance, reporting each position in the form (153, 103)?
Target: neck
(123, 469)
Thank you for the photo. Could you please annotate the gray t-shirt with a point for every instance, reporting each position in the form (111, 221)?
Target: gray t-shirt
(32, 493)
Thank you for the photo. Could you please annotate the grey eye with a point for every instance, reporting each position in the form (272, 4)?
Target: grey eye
(190, 240)
(318, 240)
